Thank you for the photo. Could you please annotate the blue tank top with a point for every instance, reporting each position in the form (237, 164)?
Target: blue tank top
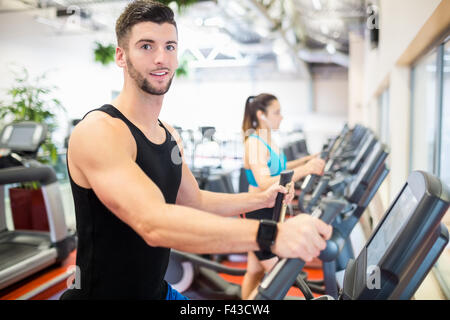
(276, 163)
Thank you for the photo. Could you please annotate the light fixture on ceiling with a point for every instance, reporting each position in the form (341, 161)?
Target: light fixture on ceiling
(279, 47)
(330, 48)
(49, 22)
(198, 22)
(324, 29)
(237, 8)
(214, 22)
(317, 5)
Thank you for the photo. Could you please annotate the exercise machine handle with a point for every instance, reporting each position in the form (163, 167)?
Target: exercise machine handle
(310, 181)
(278, 281)
(320, 189)
(45, 175)
(285, 178)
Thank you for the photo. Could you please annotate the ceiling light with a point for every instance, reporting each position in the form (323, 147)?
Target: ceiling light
(237, 8)
(199, 22)
(317, 5)
(331, 49)
(324, 29)
(279, 47)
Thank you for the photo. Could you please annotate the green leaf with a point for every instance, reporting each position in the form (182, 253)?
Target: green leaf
(32, 100)
(104, 54)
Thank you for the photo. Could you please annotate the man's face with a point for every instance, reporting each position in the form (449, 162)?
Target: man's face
(151, 58)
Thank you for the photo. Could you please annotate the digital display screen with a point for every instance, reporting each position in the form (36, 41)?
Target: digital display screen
(21, 137)
(392, 225)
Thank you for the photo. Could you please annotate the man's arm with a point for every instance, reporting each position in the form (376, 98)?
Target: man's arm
(227, 205)
(103, 151)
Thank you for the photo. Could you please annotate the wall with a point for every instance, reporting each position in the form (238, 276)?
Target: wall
(407, 30)
(330, 87)
(68, 59)
(355, 78)
(191, 103)
(399, 23)
(84, 84)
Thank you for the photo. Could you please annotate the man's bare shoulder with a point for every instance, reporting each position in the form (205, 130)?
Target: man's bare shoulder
(172, 130)
(176, 136)
(98, 131)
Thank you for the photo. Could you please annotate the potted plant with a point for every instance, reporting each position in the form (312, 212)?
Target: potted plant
(104, 54)
(31, 100)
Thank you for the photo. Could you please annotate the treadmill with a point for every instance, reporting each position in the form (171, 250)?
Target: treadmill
(400, 253)
(22, 252)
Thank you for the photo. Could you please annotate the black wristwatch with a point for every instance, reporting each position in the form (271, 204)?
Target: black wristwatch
(267, 232)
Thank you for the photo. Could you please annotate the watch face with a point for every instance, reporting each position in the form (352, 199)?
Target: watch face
(268, 230)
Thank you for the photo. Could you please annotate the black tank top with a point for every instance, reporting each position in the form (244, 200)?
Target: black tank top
(113, 260)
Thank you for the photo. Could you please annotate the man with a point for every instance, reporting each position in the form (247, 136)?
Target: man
(134, 196)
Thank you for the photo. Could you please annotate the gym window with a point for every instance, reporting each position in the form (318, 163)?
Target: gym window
(423, 113)
(383, 125)
(430, 129)
(444, 170)
(430, 113)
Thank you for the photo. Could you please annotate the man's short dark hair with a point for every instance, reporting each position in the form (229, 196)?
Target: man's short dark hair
(141, 11)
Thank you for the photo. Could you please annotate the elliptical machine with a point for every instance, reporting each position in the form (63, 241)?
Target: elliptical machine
(197, 277)
(399, 254)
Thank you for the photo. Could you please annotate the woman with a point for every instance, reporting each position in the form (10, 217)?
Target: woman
(263, 163)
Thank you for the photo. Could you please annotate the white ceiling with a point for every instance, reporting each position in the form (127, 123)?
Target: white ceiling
(293, 34)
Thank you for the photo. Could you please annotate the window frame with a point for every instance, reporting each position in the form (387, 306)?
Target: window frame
(438, 125)
(438, 107)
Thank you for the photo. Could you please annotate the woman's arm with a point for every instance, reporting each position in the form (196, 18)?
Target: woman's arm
(313, 166)
(300, 162)
(257, 157)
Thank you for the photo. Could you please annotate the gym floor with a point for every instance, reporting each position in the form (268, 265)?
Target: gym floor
(429, 290)
(25, 289)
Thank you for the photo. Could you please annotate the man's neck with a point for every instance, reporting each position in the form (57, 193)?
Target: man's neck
(140, 107)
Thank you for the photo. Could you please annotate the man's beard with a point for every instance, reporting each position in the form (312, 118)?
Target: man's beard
(143, 83)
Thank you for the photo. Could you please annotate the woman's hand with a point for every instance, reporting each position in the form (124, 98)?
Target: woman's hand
(312, 156)
(315, 166)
